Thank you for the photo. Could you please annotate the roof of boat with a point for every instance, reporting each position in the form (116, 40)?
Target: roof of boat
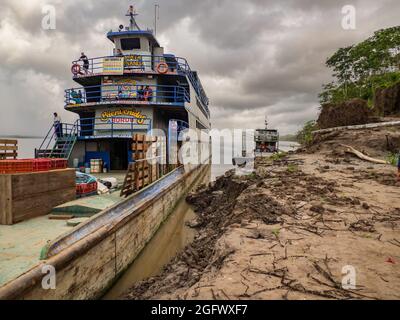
(267, 130)
(147, 33)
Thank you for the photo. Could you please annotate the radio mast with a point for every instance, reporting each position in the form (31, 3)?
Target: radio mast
(156, 17)
(132, 14)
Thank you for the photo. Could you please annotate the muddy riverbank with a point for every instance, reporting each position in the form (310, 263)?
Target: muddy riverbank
(291, 230)
(172, 237)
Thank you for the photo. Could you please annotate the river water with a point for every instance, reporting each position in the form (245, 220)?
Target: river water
(170, 239)
(26, 147)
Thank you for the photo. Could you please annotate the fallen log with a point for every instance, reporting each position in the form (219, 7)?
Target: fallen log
(362, 156)
(358, 127)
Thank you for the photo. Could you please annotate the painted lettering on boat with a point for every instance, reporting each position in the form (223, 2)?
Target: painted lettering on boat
(106, 115)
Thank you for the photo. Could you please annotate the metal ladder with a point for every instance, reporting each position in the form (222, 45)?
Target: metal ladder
(59, 147)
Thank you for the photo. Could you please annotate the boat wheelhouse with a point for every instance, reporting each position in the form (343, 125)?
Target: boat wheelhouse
(137, 89)
(266, 140)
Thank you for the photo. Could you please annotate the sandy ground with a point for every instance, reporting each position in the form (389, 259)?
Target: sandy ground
(292, 230)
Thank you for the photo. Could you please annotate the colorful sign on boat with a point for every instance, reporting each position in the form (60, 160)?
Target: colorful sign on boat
(113, 65)
(133, 62)
(119, 116)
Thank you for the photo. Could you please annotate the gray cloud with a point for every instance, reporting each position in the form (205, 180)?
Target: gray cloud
(254, 57)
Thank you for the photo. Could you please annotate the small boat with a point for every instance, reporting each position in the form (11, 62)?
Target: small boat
(266, 140)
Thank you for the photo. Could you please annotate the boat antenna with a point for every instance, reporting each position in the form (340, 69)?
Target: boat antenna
(156, 17)
(132, 14)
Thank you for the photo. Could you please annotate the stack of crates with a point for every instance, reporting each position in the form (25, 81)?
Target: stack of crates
(31, 165)
(86, 189)
(16, 166)
(41, 165)
(59, 164)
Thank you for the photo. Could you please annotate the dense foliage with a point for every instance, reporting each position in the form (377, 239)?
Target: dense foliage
(360, 69)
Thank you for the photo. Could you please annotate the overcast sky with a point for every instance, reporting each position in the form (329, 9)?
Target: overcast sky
(254, 57)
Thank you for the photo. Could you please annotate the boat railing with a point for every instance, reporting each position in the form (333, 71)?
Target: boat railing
(56, 132)
(83, 128)
(122, 126)
(126, 92)
(141, 64)
(132, 63)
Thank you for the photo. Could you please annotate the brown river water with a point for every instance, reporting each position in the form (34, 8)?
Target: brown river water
(170, 239)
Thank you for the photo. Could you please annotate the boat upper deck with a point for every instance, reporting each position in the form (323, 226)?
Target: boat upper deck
(126, 93)
(85, 71)
(132, 64)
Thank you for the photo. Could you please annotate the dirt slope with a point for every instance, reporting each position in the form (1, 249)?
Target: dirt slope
(376, 142)
(291, 229)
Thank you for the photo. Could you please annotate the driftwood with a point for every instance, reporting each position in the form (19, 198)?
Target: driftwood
(362, 156)
(358, 127)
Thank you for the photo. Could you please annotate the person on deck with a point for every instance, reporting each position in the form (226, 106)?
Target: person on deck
(148, 93)
(140, 93)
(57, 125)
(75, 97)
(80, 97)
(131, 11)
(85, 60)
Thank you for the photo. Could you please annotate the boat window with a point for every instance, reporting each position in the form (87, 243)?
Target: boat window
(130, 44)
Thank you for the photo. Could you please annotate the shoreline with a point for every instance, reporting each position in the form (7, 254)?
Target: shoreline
(291, 230)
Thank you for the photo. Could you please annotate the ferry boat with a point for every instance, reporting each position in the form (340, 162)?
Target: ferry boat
(266, 140)
(137, 89)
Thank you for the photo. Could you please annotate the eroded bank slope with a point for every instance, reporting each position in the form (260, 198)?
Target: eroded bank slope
(287, 232)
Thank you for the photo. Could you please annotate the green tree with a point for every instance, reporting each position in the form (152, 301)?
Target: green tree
(360, 69)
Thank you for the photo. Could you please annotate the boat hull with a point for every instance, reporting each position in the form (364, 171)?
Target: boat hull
(85, 269)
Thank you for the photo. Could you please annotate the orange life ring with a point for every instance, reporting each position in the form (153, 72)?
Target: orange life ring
(76, 69)
(162, 68)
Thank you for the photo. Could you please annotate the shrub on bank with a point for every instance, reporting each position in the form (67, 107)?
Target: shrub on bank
(304, 136)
